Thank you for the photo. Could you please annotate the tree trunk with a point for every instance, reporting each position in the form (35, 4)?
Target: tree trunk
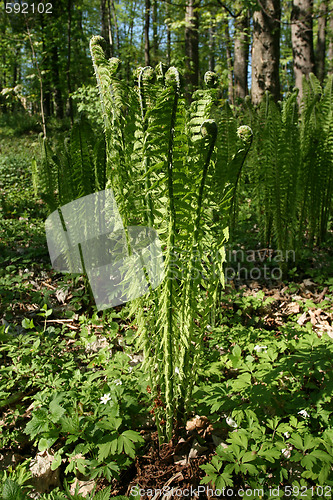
(241, 55)
(58, 100)
(266, 50)
(211, 48)
(192, 44)
(146, 29)
(229, 64)
(168, 33)
(155, 34)
(330, 46)
(106, 27)
(302, 41)
(321, 41)
(115, 26)
(68, 68)
(45, 66)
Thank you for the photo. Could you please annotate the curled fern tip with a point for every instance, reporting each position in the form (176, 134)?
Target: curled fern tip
(209, 128)
(245, 133)
(211, 79)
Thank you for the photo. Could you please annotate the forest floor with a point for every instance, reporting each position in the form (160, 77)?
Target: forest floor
(251, 312)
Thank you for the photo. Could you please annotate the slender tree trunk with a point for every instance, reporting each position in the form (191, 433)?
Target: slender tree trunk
(155, 33)
(211, 48)
(168, 34)
(110, 36)
(330, 46)
(35, 62)
(302, 41)
(266, 50)
(68, 68)
(321, 41)
(241, 55)
(146, 30)
(229, 64)
(105, 26)
(192, 43)
(115, 26)
(46, 64)
(3, 105)
(58, 99)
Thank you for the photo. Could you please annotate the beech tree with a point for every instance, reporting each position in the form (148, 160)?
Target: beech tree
(192, 42)
(241, 54)
(320, 54)
(266, 50)
(302, 41)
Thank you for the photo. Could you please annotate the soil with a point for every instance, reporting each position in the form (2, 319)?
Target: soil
(166, 471)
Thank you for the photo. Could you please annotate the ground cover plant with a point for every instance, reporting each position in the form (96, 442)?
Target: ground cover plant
(73, 382)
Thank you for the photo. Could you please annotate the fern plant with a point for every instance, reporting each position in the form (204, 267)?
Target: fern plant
(75, 169)
(290, 167)
(317, 157)
(162, 165)
(173, 167)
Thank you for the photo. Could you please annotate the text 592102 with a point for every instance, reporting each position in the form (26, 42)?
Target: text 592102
(26, 8)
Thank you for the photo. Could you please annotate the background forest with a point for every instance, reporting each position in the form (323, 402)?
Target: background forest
(262, 45)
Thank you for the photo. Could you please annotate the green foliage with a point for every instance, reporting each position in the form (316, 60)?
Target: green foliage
(88, 103)
(276, 393)
(75, 169)
(290, 166)
(84, 415)
(161, 164)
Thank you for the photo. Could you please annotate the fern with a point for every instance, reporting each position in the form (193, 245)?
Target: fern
(175, 169)
(290, 167)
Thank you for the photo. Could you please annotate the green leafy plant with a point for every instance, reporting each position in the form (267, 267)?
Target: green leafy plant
(274, 403)
(290, 167)
(167, 153)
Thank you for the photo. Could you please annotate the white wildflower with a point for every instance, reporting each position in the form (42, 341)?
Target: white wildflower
(286, 435)
(286, 453)
(260, 348)
(231, 422)
(304, 413)
(177, 370)
(105, 398)
(118, 382)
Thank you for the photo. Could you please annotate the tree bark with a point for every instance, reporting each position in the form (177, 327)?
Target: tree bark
(330, 46)
(211, 48)
(192, 44)
(302, 41)
(168, 33)
(266, 50)
(106, 27)
(39, 74)
(321, 41)
(155, 33)
(68, 68)
(241, 55)
(146, 29)
(58, 99)
(115, 25)
(229, 64)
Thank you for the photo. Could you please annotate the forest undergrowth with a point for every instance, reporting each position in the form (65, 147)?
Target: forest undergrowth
(73, 391)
